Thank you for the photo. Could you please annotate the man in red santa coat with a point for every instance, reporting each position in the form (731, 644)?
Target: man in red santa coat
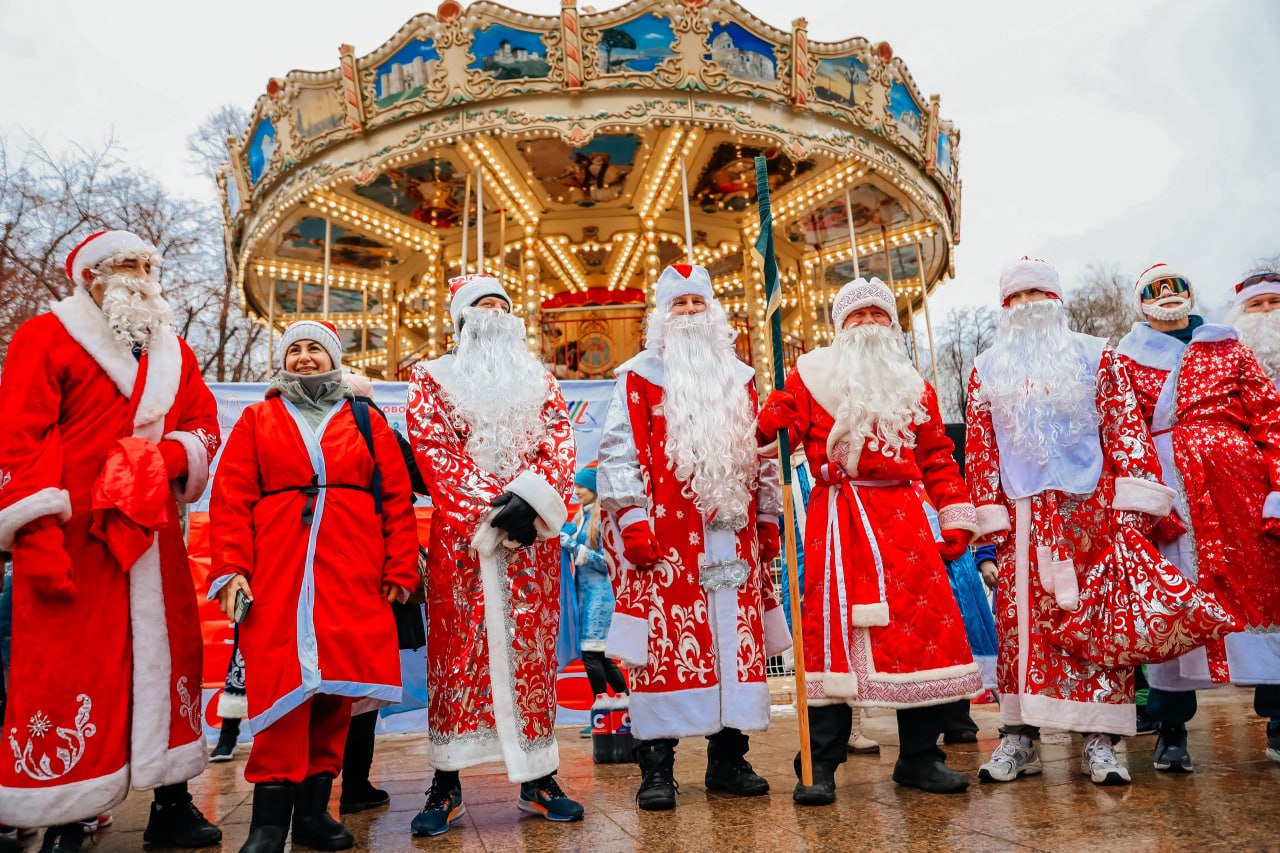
(1254, 314)
(881, 626)
(1058, 456)
(105, 425)
(1215, 417)
(692, 527)
(495, 445)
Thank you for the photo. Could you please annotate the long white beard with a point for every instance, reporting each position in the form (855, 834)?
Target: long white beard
(1042, 392)
(134, 308)
(1260, 331)
(499, 389)
(710, 420)
(1169, 309)
(881, 394)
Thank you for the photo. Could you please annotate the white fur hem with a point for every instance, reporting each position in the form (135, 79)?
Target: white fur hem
(545, 500)
(232, 707)
(1147, 496)
(152, 672)
(628, 640)
(30, 808)
(993, 518)
(870, 615)
(35, 505)
(486, 749)
(962, 516)
(1271, 506)
(183, 762)
(777, 636)
(197, 467)
(699, 711)
(841, 684)
(1029, 709)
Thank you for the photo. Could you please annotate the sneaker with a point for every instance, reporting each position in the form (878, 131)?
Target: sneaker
(860, 744)
(586, 732)
(1146, 725)
(543, 797)
(67, 838)
(444, 807)
(1171, 749)
(228, 737)
(1101, 763)
(1015, 756)
(93, 824)
(1273, 739)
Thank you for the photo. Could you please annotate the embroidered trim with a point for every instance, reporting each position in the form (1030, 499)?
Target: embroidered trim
(38, 726)
(727, 574)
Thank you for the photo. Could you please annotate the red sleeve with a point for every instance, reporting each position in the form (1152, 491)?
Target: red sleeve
(189, 448)
(1262, 408)
(399, 525)
(1126, 441)
(940, 472)
(982, 463)
(236, 490)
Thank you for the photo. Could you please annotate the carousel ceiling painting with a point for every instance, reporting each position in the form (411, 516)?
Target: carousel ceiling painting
(574, 156)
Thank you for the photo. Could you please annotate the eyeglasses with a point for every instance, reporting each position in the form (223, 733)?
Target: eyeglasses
(1257, 279)
(1177, 286)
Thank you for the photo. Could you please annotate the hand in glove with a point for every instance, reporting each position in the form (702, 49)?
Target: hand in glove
(581, 555)
(780, 412)
(1168, 529)
(639, 545)
(770, 542)
(1271, 526)
(39, 554)
(953, 544)
(515, 518)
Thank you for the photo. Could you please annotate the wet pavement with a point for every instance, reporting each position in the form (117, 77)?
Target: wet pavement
(1231, 801)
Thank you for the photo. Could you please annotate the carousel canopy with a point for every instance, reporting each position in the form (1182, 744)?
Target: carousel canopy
(574, 157)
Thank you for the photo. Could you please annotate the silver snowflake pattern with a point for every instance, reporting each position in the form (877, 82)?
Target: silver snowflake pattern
(635, 396)
(694, 538)
(679, 513)
(39, 724)
(659, 511)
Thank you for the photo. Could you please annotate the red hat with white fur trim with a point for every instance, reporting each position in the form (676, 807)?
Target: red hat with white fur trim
(467, 290)
(98, 247)
(682, 280)
(321, 331)
(1154, 273)
(1261, 284)
(1029, 274)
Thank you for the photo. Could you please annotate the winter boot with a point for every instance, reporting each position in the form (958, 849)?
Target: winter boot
(1171, 749)
(823, 790)
(1273, 739)
(358, 793)
(66, 838)
(928, 771)
(1101, 763)
(272, 808)
(176, 822)
(544, 797)
(727, 767)
(227, 738)
(657, 760)
(444, 805)
(1015, 756)
(312, 824)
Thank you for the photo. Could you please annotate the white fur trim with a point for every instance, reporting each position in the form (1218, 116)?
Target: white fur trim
(152, 671)
(648, 365)
(1262, 288)
(777, 636)
(88, 326)
(635, 515)
(1147, 496)
(817, 369)
(993, 518)
(961, 516)
(164, 375)
(197, 466)
(870, 615)
(628, 640)
(183, 762)
(95, 250)
(30, 808)
(472, 289)
(842, 684)
(19, 514)
(673, 284)
(699, 711)
(1029, 274)
(766, 518)
(1271, 506)
(545, 500)
(232, 707)
(1034, 710)
(863, 293)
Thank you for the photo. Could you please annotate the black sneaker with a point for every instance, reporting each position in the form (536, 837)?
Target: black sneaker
(1146, 725)
(361, 796)
(929, 773)
(544, 798)
(227, 738)
(1273, 739)
(67, 838)
(444, 807)
(180, 824)
(1171, 749)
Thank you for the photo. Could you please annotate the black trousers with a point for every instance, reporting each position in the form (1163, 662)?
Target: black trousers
(602, 671)
(728, 744)
(918, 730)
(357, 755)
(1179, 706)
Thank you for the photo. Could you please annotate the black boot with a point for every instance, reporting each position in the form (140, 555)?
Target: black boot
(66, 838)
(358, 793)
(727, 767)
(928, 771)
(312, 824)
(823, 790)
(1171, 748)
(272, 808)
(657, 760)
(176, 822)
(227, 738)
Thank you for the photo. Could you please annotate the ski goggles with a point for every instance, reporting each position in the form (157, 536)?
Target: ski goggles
(1177, 286)
(1257, 279)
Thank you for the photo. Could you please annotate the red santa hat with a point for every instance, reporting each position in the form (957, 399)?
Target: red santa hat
(98, 247)
(1257, 285)
(863, 293)
(1153, 273)
(682, 280)
(1028, 273)
(321, 331)
(467, 290)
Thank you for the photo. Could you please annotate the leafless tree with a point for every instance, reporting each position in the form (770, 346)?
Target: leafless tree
(1102, 304)
(1271, 264)
(960, 337)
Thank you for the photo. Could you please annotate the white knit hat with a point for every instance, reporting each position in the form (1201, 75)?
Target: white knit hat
(863, 293)
(681, 280)
(467, 290)
(1029, 274)
(321, 331)
(1256, 285)
(1155, 272)
(96, 248)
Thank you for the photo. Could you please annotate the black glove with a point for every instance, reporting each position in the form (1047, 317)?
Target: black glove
(515, 517)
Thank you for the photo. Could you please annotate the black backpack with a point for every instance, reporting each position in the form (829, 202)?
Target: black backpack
(360, 411)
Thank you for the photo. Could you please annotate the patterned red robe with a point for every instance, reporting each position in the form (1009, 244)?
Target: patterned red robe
(104, 686)
(492, 613)
(881, 625)
(698, 652)
(1069, 528)
(1215, 416)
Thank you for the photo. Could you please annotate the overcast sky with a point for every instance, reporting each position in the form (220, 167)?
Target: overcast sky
(1118, 132)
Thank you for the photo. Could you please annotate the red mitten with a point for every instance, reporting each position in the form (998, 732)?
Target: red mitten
(770, 542)
(175, 458)
(953, 544)
(1168, 529)
(780, 412)
(39, 554)
(639, 546)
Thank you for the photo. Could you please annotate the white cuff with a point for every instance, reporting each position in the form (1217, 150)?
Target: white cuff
(628, 640)
(777, 636)
(766, 518)
(1147, 496)
(961, 516)
(870, 615)
(1271, 506)
(545, 500)
(635, 515)
(992, 518)
(197, 466)
(216, 586)
(35, 505)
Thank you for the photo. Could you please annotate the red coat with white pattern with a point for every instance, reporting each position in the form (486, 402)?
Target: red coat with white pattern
(698, 653)
(104, 685)
(490, 699)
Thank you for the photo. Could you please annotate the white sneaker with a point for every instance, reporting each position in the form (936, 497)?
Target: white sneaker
(1015, 756)
(860, 744)
(1101, 762)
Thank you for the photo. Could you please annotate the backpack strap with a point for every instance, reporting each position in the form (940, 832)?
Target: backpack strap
(360, 411)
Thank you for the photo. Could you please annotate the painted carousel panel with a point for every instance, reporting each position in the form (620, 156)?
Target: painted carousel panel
(406, 73)
(262, 146)
(636, 46)
(431, 191)
(742, 53)
(842, 81)
(906, 112)
(585, 175)
(509, 54)
(305, 242)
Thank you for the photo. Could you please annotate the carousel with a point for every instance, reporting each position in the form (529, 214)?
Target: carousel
(573, 157)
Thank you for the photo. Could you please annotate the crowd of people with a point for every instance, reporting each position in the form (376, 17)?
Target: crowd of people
(1124, 501)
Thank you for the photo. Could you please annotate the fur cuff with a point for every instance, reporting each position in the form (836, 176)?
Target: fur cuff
(628, 640)
(545, 500)
(870, 615)
(232, 707)
(766, 518)
(992, 518)
(197, 467)
(1146, 496)
(1271, 506)
(777, 636)
(839, 684)
(963, 516)
(634, 515)
(35, 505)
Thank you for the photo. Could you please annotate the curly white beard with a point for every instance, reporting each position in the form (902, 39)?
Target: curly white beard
(499, 390)
(134, 308)
(1169, 309)
(710, 420)
(881, 394)
(1042, 393)
(1260, 331)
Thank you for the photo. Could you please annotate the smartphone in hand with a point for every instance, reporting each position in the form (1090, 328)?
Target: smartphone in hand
(243, 603)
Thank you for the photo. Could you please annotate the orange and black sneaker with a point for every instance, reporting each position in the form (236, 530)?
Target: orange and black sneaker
(543, 797)
(444, 806)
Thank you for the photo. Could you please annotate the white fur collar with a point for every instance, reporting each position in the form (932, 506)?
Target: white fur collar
(817, 370)
(440, 369)
(649, 365)
(1151, 348)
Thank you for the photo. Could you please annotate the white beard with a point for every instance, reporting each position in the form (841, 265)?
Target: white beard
(881, 393)
(134, 308)
(711, 441)
(1041, 392)
(1169, 309)
(1260, 331)
(499, 389)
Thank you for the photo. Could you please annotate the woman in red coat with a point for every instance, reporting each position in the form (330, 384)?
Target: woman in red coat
(313, 522)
